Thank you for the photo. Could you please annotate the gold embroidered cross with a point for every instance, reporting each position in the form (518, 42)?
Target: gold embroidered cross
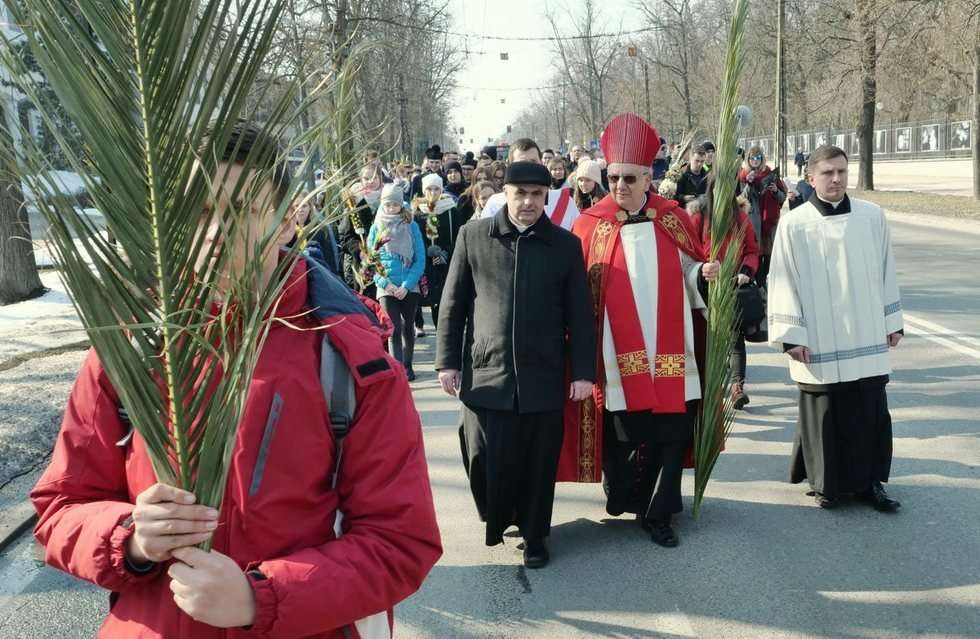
(673, 225)
(669, 366)
(634, 363)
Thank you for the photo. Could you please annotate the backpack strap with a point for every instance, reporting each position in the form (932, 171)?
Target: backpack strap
(337, 383)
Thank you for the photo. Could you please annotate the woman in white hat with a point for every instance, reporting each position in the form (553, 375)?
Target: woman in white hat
(588, 184)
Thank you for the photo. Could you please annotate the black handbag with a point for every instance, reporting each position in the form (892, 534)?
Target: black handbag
(751, 309)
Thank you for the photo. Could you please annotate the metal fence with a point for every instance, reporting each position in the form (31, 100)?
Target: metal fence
(929, 139)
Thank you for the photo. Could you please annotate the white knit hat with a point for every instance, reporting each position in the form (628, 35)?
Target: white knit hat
(392, 193)
(588, 169)
(432, 179)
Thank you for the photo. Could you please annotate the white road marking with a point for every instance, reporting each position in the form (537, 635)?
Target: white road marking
(938, 334)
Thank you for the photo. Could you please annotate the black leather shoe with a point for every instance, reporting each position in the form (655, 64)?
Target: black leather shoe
(410, 373)
(828, 503)
(739, 398)
(644, 523)
(662, 534)
(615, 508)
(535, 553)
(879, 499)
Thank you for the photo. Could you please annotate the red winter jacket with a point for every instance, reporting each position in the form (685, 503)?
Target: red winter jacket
(749, 251)
(769, 203)
(316, 583)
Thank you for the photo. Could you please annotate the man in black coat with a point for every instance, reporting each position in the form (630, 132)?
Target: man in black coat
(694, 182)
(800, 161)
(515, 317)
(433, 164)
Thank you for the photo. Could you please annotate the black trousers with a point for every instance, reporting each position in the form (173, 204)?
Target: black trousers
(762, 275)
(401, 344)
(738, 358)
(420, 322)
(843, 440)
(643, 461)
(511, 460)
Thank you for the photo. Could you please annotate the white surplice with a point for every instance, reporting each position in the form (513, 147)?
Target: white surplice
(832, 288)
(640, 250)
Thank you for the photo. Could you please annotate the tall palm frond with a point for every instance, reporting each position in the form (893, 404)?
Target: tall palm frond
(716, 414)
(147, 83)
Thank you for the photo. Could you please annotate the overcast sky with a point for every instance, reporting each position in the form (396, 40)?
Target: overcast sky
(530, 64)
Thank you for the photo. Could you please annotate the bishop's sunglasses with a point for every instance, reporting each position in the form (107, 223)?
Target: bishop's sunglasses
(628, 179)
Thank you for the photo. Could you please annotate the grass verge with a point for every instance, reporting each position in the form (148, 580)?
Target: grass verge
(952, 206)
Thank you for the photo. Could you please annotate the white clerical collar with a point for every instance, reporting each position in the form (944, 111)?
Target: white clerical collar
(517, 225)
(833, 204)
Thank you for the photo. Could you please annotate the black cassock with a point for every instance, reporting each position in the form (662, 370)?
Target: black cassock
(516, 321)
(643, 461)
(844, 436)
(511, 460)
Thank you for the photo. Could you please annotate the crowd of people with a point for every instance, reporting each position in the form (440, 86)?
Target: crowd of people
(569, 298)
(469, 211)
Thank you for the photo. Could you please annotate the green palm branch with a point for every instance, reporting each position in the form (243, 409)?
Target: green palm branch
(156, 89)
(716, 414)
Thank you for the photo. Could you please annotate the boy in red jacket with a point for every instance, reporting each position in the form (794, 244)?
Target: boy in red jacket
(277, 568)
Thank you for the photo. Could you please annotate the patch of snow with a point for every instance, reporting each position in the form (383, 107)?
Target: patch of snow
(45, 322)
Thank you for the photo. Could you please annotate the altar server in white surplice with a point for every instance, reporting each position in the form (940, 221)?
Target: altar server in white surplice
(835, 309)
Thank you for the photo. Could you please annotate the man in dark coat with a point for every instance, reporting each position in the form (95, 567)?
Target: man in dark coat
(694, 182)
(515, 312)
(800, 161)
(433, 164)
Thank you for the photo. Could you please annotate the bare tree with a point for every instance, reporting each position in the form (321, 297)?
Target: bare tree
(19, 279)
(866, 23)
(674, 49)
(587, 63)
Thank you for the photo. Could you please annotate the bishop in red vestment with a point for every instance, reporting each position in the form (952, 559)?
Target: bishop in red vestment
(644, 262)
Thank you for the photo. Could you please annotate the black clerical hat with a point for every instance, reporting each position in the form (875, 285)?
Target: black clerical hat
(527, 173)
(434, 153)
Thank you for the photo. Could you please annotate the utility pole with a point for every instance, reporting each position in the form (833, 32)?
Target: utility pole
(780, 146)
(406, 143)
(975, 128)
(646, 88)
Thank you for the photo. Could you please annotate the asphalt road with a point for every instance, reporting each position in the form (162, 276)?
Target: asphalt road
(762, 560)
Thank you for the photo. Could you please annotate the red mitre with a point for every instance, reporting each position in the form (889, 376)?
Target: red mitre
(629, 139)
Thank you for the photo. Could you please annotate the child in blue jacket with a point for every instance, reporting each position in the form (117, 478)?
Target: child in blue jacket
(402, 255)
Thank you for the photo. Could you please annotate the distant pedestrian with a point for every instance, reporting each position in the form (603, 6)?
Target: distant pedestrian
(803, 191)
(766, 193)
(800, 161)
